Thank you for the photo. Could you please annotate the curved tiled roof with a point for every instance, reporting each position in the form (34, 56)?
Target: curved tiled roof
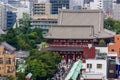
(79, 24)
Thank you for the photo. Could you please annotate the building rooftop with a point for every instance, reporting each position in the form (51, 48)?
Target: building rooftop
(8, 47)
(76, 32)
(61, 48)
(1, 32)
(22, 54)
(93, 76)
(79, 24)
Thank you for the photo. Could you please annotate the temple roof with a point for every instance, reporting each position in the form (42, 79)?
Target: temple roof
(82, 17)
(79, 24)
(62, 48)
(76, 32)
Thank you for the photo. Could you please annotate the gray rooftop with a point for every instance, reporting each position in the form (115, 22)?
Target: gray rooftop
(1, 32)
(82, 24)
(62, 48)
(22, 54)
(76, 32)
(82, 17)
(8, 47)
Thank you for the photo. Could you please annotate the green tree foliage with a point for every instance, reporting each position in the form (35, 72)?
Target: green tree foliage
(102, 42)
(23, 38)
(11, 78)
(25, 20)
(113, 25)
(42, 64)
(20, 76)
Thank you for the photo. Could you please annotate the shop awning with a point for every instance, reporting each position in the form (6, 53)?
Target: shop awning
(75, 70)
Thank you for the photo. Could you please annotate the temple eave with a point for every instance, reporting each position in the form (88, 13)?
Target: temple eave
(61, 48)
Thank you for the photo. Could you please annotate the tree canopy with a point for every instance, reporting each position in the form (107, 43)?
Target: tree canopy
(42, 64)
(23, 38)
(113, 25)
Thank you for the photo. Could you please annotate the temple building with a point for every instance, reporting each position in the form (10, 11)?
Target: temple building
(77, 33)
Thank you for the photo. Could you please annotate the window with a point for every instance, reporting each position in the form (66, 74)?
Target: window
(89, 65)
(99, 66)
(111, 71)
(8, 61)
(1, 60)
(112, 50)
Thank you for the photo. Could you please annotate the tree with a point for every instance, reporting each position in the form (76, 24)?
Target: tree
(102, 42)
(11, 78)
(113, 25)
(25, 20)
(109, 23)
(42, 65)
(20, 76)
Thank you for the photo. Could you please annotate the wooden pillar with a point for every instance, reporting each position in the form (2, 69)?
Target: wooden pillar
(66, 58)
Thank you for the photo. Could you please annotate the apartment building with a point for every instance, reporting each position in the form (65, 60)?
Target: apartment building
(41, 8)
(42, 17)
(7, 62)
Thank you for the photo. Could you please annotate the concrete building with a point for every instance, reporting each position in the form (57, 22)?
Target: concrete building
(118, 1)
(11, 19)
(31, 7)
(41, 9)
(42, 16)
(96, 4)
(9, 14)
(21, 6)
(76, 4)
(7, 62)
(4, 1)
(108, 7)
(111, 66)
(14, 3)
(93, 4)
(102, 49)
(59, 4)
(2, 16)
(105, 5)
(44, 21)
(116, 11)
(96, 69)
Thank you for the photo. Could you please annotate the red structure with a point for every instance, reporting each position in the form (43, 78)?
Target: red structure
(72, 49)
(75, 30)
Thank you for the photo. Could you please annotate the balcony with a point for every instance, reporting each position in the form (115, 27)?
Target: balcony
(10, 69)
